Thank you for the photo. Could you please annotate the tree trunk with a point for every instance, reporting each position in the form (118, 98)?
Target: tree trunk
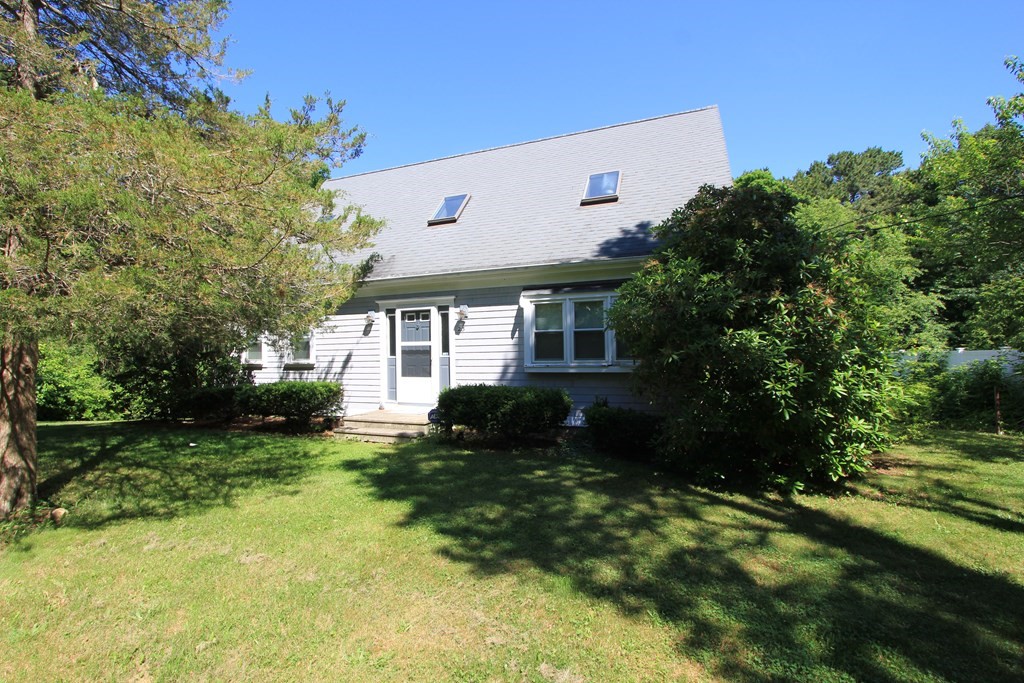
(18, 361)
(28, 16)
(999, 413)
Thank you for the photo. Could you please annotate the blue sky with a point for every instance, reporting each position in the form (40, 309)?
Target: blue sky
(794, 81)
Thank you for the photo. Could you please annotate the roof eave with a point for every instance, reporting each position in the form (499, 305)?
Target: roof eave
(566, 272)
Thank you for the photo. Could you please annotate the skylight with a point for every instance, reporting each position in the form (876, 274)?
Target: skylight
(450, 209)
(601, 187)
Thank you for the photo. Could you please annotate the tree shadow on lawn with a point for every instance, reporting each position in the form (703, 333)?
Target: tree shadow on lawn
(959, 486)
(975, 510)
(757, 588)
(977, 446)
(118, 471)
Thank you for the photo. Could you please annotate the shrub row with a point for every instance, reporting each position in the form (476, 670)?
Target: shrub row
(299, 402)
(503, 412)
(211, 403)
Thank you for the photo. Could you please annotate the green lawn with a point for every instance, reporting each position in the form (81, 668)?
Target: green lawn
(260, 557)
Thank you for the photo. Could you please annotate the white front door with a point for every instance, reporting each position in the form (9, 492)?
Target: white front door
(418, 362)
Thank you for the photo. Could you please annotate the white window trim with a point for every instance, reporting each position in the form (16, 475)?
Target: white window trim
(602, 198)
(434, 220)
(610, 363)
(246, 360)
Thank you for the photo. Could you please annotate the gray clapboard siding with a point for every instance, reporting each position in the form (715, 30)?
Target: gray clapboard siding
(490, 350)
(359, 346)
(345, 351)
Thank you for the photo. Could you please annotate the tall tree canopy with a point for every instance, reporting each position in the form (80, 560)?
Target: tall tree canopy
(862, 180)
(854, 203)
(971, 192)
(134, 206)
(161, 49)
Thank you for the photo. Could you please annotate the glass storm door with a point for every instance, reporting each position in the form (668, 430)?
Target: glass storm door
(417, 365)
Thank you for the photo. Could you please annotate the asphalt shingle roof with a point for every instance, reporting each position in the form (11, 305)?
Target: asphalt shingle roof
(524, 207)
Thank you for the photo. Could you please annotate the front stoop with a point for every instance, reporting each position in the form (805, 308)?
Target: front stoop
(384, 426)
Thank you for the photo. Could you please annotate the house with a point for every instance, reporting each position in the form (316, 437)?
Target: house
(497, 266)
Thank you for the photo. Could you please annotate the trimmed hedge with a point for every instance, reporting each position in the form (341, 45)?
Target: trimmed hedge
(504, 412)
(623, 432)
(298, 402)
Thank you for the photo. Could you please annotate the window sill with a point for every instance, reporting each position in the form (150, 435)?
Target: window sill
(607, 199)
(252, 366)
(442, 221)
(601, 369)
(304, 365)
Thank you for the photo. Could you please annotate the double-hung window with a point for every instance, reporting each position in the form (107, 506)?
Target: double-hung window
(548, 332)
(301, 349)
(569, 332)
(253, 354)
(300, 353)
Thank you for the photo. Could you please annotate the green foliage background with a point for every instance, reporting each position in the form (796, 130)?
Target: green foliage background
(69, 385)
(134, 222)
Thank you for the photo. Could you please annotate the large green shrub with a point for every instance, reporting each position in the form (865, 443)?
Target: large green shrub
(623, 432)
(754, 343)
(69, 386)
(163, 381)
(213, 403)
(503, 412)
(298, 402)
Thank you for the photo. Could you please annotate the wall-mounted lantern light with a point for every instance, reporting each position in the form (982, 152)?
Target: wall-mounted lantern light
(371, 317)
(463, 312)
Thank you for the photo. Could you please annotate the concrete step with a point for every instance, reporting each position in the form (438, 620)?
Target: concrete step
(384, 426)
(381, 416)
(398, 426)
(377, 435)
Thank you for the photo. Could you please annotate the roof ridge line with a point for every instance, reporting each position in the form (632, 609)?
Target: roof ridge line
(527, 142)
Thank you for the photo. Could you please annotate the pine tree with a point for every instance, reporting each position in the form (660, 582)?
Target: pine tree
(134, 203)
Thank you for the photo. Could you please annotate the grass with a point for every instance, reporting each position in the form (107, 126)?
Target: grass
(217, 556)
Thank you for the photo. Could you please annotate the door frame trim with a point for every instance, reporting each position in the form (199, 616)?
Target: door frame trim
(409, 303)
